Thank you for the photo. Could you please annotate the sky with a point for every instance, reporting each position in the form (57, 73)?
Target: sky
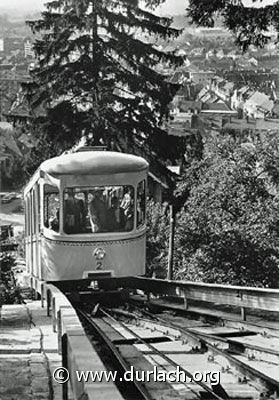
(170, 7)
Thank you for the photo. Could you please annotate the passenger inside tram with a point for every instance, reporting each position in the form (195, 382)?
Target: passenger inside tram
(99, 209)
(74, 213)
(54, 221)
(116, 216)
(97, 212)
(127, 205)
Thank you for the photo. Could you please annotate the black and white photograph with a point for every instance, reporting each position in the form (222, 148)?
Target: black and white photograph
(139, 199)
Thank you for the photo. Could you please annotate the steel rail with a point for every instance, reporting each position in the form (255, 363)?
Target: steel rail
(166, 358)
(236, 343)
(267, 381)
(212, 337)
(146, 395)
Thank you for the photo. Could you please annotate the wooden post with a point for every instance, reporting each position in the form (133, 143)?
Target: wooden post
(185, 300)
(42, 295)
(48, 302)
(243, 313)
(54, 321)
(171, 243)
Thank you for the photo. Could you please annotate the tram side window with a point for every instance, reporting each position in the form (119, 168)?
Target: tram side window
(38, 211)
(28, 215)
(33, 213)
(25, 218)
(141, 204)
(99, 209)
(51, 207)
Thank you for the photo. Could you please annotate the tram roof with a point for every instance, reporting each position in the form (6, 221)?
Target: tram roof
(93, 163)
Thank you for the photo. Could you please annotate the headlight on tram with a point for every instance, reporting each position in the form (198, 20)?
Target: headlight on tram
(99, 253)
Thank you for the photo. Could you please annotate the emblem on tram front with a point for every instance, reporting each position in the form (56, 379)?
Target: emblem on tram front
(99, 255)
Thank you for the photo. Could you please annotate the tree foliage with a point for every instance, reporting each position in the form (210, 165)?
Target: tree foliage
(96, 75)
(157, 239)
(250, 24)
(228, 229)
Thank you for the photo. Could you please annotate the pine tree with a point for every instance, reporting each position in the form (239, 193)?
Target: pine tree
(96, 74)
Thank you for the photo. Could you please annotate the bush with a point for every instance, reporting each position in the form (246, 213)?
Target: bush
(9, 292)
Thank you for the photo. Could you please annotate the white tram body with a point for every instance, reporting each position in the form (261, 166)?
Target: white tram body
(85, 214)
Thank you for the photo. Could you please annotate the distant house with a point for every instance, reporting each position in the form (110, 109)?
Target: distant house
(219, 89)
(219, 109)
(193, 107)
(222, 88)
(180, 77)
(201, 77)
(239, 97)
(182, 116)
(21, 111)
(258, 105)
(10, 78)
(217, 114)
(216, 107)
(28, 49)
(187, 91)
(180, 120)
(206, 96)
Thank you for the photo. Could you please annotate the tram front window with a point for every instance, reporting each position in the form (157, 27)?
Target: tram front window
(99, 209)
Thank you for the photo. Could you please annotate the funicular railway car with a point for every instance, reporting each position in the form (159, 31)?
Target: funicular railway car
(85, 214)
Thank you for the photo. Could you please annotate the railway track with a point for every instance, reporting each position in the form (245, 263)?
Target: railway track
(127, 346)
(253, 355)
(228, 318)
(137, 335)
(142, 340)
